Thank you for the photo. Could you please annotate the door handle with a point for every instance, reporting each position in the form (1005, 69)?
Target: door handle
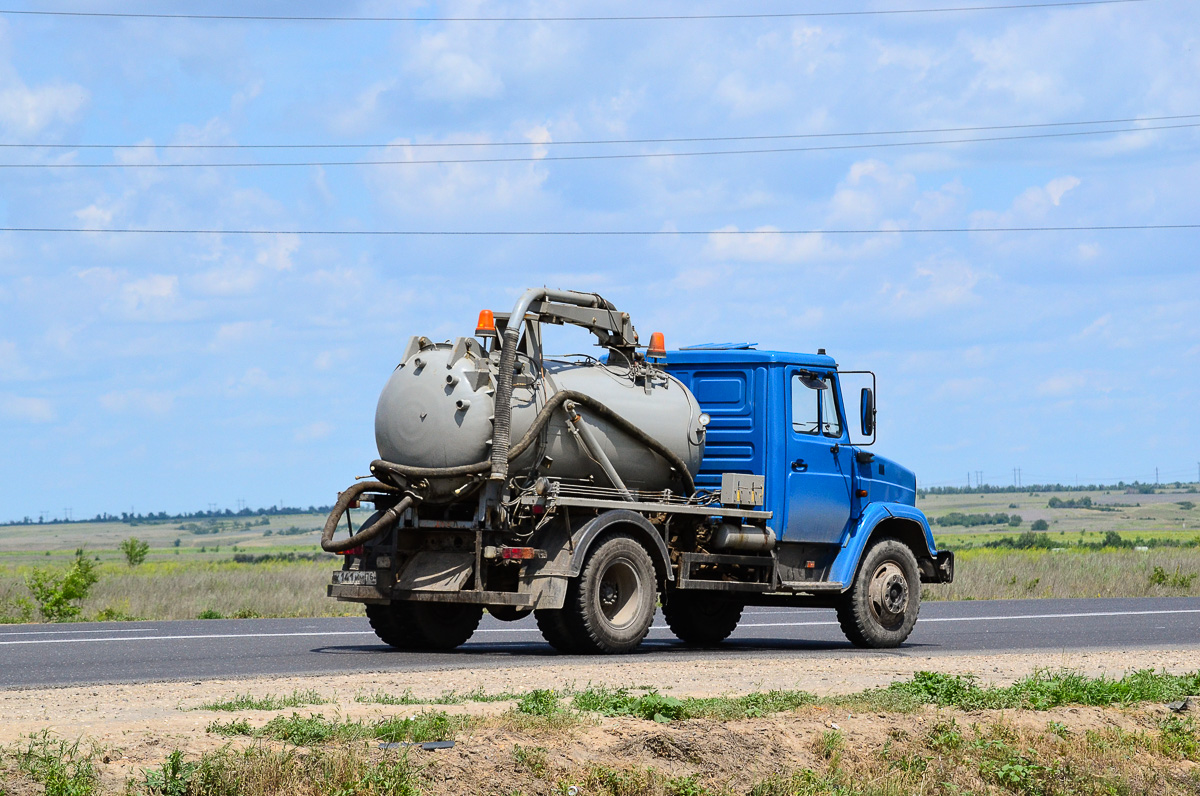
(799, 466)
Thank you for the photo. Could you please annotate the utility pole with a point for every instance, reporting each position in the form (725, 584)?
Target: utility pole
(1156, 476)
(979, 479)
(968, 479)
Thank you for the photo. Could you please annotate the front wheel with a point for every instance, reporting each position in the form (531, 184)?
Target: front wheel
(881, 606)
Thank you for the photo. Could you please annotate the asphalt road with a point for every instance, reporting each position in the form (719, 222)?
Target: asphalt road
(123, 652)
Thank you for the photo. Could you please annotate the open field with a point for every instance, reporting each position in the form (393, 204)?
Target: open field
(683, 729)
(271, 566)
(1173, 514)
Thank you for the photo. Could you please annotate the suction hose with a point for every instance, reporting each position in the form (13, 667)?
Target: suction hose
(502, 430)
(381, 468)
(380, 527)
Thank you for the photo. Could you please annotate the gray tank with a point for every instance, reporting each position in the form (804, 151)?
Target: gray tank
(437, 411)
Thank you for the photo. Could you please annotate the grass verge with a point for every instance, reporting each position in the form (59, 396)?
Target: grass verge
(317, 729)
(269, 702)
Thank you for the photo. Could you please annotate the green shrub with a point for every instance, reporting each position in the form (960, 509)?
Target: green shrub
(57, 595)
(135, 550)
(1039, 525)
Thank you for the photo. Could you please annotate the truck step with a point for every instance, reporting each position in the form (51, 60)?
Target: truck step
(812, 585)
(765, 564)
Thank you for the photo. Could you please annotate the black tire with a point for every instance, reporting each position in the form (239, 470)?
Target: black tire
(394, 625)
(559, 631)
(881, 606)
(609, 608)
(508, 613)
(700, 618)
(424, 626)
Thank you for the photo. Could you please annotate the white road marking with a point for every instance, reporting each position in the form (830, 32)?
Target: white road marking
(656, 627)
(59, 632)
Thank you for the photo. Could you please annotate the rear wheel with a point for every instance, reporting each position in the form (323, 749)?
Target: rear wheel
(700, 618)
(559, 631)
(424, 626)
(881, 607)
(610, 606)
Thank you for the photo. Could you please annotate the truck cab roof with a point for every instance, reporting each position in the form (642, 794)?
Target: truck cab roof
(740, 354)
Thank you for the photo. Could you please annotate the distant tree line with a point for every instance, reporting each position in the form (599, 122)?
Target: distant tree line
(1135, 487)
(973, 520)
(162, 516)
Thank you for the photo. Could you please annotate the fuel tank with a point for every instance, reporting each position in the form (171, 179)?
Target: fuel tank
(438, 406)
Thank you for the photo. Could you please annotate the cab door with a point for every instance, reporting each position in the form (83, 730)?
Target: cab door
(818, 459)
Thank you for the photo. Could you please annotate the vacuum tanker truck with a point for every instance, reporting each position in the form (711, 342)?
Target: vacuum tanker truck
(587, 490)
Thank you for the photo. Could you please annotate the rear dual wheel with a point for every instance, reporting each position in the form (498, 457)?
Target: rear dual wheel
(610, 606)
(424, 625)
(700, 618)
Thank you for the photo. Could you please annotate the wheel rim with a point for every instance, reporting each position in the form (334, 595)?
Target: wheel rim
(889, 595)
(618, 593)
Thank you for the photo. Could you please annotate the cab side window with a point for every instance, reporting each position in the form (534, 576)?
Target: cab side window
(806, 418)
(814, 407)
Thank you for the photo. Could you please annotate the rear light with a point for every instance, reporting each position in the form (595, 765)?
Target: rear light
(353, 551)
(518, 552)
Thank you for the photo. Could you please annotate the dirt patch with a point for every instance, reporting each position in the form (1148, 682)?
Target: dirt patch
(136, 726)
(113, 714)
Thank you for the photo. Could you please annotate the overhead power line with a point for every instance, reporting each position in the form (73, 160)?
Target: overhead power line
(602, 156)
(632, 18)
(610, 141)
(602, 232)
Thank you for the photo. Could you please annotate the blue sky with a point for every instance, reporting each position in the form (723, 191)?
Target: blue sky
(171, 372)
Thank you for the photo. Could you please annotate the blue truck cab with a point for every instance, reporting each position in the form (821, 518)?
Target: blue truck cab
(846, 527)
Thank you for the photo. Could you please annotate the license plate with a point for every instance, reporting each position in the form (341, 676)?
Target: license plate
(353, 577)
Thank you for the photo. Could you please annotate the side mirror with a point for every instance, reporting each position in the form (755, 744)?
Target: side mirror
(866, 411)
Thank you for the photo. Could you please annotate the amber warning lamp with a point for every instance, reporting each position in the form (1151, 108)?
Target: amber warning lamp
(486, 327)
(658, 346)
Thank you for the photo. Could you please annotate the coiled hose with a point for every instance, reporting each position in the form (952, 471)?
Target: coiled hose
(381, 526)
(384, 469)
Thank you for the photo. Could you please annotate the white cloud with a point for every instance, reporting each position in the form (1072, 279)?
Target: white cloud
(364, 110)
(1064, 384)
(746, 97)
(1058, 187)
(28, 110)
(12, 365)
(463, 189)
(870, 192)
(1033, 204)
(448, 67)
(314, 431)
(278, 251)
(765, 244)
(936, 285)
(229, 334)
(151, 298)
(139, 402)
(33, 410)
(328, 359)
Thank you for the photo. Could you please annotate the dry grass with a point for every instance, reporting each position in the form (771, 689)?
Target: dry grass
(1085, 751)
(189, 589)
(1005, 574)
(166, 590)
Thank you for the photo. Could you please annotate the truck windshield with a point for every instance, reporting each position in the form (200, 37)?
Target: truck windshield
(815, 411)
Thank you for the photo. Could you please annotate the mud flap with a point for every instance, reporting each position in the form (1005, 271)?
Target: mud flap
(435, 571)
